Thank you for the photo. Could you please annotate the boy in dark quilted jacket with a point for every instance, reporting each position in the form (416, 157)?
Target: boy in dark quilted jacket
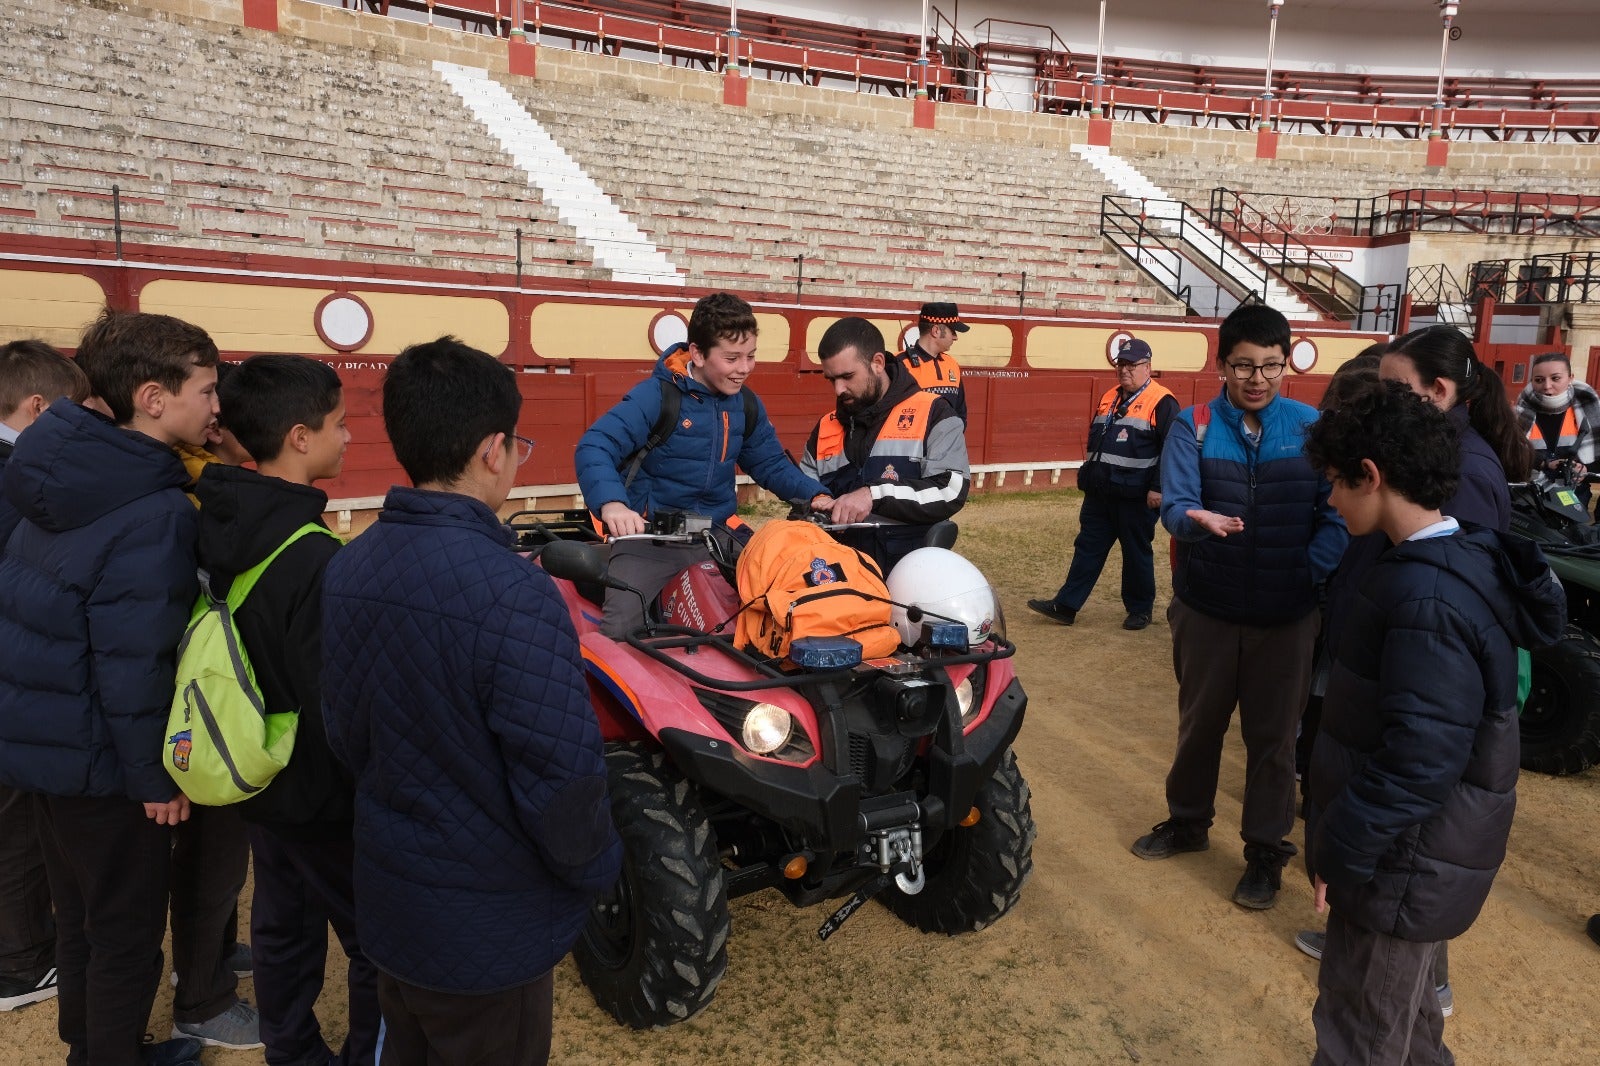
(96, 584)
(1414, 771)
(288, 412)
(454, 691)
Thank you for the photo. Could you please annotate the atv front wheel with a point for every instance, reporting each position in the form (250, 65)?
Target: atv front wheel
(975, 874)
(656, 945)
(1561, 719)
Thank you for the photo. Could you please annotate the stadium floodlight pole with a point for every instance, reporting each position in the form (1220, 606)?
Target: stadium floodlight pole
(733, 37)
(1272, 45)
(1448, 9)
(922, 54)
(1099, 58)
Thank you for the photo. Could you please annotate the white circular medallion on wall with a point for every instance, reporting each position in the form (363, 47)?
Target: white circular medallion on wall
(343, 321)
(908, 337)
(1303, 356)
(668, 328)
(1115, 344)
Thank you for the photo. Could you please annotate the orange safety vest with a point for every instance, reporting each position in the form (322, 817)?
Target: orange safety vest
(901, 439)
(1568, 438)
(938, 375)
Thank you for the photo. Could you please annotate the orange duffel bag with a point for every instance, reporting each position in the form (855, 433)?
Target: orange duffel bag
(797, 581)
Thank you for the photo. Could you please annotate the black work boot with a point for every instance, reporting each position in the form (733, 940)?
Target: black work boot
(1263, 876)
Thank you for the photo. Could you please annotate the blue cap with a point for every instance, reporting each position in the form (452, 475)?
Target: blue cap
(1133, 350)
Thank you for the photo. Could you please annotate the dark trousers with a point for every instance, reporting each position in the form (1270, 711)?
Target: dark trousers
(1375, 1001)
(426, 1028)
(27, 930)
(301, 887)
(210, 859)
(647, 567)
(1262, 670)
(1106, 520)
(108, 875)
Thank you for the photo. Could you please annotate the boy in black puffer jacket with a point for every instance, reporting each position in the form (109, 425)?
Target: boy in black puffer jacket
(288, 413)
(1414, 771)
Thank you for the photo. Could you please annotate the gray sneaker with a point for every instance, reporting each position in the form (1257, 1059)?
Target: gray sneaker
(1447, 999)
(1311, 942)
(238, 1027)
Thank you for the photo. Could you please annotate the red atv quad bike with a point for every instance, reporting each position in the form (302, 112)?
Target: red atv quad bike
(820, 776)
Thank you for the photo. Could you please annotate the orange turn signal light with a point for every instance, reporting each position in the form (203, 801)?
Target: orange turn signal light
(795, 868)
(971, 819)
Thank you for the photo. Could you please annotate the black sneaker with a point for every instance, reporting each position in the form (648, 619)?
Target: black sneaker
(1136, 620)
(1258, 888)
(1054, 611)
(170, 1052)
(1593, 928)
(1170, 838)
(20, 992)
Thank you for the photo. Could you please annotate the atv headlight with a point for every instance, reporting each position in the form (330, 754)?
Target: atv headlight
(767, 728)
(964, 696)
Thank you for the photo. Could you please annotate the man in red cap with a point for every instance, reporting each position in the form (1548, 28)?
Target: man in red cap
(1121, 483)
(926, 360)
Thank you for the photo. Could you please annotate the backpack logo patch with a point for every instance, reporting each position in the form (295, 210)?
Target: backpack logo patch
(823, 573)
(182, 743)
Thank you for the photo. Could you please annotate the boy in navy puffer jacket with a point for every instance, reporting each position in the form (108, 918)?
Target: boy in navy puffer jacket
(453, 689)
(96, 585)
(1414, 772)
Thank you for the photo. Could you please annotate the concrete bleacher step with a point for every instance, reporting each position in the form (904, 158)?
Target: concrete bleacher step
(618, 243)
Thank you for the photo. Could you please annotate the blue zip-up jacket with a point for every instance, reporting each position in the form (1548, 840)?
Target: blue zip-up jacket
(694, 469)
(1414, 774)
(453, 689)
(96, 585)
(1292, 539)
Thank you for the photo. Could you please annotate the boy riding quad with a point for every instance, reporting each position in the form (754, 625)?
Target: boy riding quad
(820, 772)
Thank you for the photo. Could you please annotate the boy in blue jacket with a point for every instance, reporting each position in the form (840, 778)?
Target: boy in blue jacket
(1414, 771)
(96, 585)
(692, 470)
(454, 691)
(1255, 539)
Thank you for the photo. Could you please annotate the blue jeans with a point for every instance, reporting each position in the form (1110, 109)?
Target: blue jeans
(1106, 520)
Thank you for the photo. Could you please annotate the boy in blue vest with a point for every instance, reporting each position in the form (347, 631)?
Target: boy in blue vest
(1256, 537)
(287, 412)
(1415, 764)
(454, 691)
(96, 586)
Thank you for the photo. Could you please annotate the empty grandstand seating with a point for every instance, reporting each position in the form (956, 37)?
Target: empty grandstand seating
(311, 149)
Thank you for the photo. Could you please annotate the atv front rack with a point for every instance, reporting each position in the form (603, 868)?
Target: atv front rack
(655, 641)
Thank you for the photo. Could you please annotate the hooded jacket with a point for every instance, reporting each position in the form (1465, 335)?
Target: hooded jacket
(96, 585)
(1414, 773)
(1585, 412)
(244, 517)
(693, 470)
(454, 691)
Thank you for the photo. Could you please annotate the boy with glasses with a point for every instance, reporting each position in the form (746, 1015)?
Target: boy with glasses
(1256, 537)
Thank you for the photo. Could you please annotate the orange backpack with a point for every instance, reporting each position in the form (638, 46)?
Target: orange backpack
(796, 581)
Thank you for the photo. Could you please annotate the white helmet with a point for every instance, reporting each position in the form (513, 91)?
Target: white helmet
(944, 585)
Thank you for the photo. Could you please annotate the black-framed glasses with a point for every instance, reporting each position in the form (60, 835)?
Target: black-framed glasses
(1245, 371)
(524, 449)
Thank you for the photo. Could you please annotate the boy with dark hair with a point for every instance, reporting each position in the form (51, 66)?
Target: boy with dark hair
(287, 411)
(1414, 772)
(96, 585)
(628, 472)
(454, 691)
(1255, 538)
(32, 376)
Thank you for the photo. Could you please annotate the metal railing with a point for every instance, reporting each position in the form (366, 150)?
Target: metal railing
(1559, 278)
(1423, 210)
(1160, 246)
(1304, 268)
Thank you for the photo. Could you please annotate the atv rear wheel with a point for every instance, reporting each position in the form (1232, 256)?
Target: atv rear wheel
(656, 945)
(975, 874)
(1561, 719)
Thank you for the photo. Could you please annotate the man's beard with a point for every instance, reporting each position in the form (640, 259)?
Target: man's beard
(855, 406)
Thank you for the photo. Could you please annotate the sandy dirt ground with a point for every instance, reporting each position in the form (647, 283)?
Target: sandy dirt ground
(1107, 958)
